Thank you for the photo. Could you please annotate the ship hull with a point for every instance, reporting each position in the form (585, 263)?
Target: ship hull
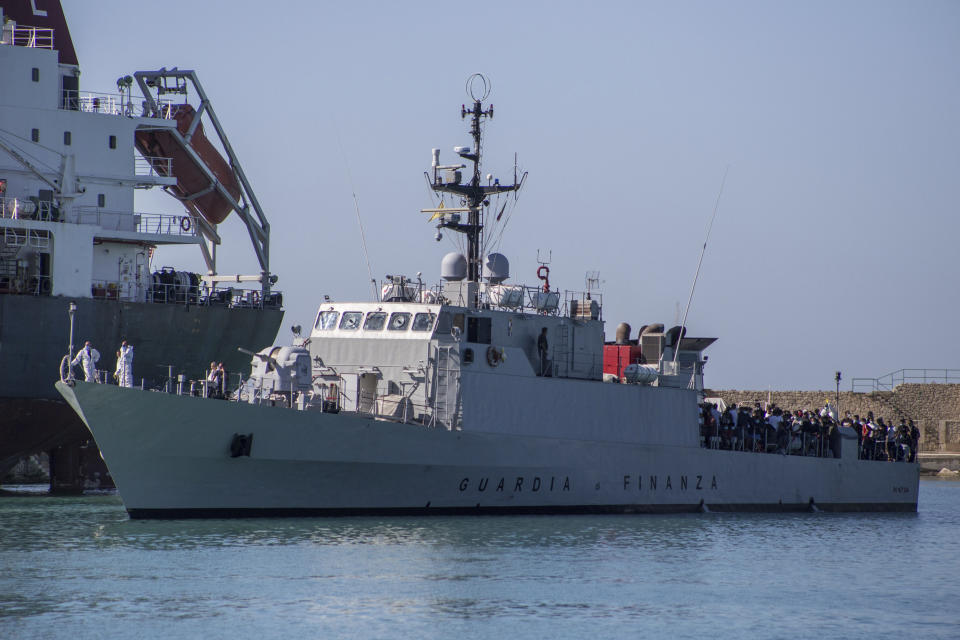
(171, 458)
(34, 334)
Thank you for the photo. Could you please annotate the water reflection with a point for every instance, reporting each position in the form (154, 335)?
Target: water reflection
(100, 522)
(83, 561)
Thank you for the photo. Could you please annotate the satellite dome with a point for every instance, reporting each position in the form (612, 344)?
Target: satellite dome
(497, 268)
(453, 267)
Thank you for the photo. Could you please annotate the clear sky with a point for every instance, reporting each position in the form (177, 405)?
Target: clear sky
(835, 242)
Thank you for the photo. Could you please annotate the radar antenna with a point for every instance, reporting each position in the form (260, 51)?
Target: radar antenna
(475, 195)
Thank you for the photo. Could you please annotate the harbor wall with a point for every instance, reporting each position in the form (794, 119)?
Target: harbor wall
(935, 408)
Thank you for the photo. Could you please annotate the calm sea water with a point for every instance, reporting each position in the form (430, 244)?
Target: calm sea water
(79, 568)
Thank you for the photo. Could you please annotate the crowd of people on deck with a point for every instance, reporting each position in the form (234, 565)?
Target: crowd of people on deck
(804, 433)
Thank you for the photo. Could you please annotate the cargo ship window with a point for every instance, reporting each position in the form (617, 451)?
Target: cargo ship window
(67, 138)
(478, 330)
(351, 320)
(375, 321)
(399, 321)
(101, 200)
(423, 321)
(327, 320)
(113, 142)
(35, 135)
(35, 74)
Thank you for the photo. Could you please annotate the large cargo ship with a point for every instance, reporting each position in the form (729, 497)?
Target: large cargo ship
(476, 396)
(71, 162)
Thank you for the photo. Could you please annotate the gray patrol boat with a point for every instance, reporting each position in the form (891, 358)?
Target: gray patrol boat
(475, 396)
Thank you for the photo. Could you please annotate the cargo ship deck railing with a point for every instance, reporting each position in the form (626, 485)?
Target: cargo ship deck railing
(112, 104)
(26, 36)
(27, 208)
(152, 166)
(151, 223)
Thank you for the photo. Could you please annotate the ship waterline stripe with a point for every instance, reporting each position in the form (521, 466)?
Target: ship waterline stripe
(619, 509)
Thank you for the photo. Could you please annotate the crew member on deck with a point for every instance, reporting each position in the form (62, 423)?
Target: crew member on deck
(124, 371)
(542, 351)
(213, 377)
(914, 441)
(87, 358)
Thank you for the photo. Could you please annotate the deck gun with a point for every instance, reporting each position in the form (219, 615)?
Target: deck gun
(279, 370)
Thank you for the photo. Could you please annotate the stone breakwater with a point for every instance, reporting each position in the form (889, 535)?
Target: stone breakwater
(935, 408)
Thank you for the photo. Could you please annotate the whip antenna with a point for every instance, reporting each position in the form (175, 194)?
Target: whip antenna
(683, 325)
(356, 206)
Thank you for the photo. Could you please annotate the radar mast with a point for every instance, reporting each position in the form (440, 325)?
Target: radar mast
(474, 195)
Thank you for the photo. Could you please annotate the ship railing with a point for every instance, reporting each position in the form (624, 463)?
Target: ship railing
(905, 376)
(28, 208)
(152, 166)
(764, 439)
(151, 223)
(580, 305)
(113, 104)
(240, 298)
(26, 36)
(205, 296)
(117, 290)
(18, 238)
(36, 285)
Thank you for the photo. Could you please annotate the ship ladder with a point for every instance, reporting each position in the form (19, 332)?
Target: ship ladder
(561, 352)
(442, 386)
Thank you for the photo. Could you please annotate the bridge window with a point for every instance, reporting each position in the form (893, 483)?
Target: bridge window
(423, 321)
(478, 330)
(351, 320)
(375, 321)
(399, 321)
(327, 320)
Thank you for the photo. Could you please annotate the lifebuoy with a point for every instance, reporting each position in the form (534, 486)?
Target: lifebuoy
(494, 356)
(185, 223)
(543, 273)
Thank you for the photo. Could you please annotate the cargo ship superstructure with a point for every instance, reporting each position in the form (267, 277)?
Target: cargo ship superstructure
(475, 396)
(71, 162)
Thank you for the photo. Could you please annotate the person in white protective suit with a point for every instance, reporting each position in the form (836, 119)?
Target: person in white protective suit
(124, 372)
(87, 358)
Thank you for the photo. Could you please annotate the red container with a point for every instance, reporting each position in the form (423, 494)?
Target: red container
(617, 356)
